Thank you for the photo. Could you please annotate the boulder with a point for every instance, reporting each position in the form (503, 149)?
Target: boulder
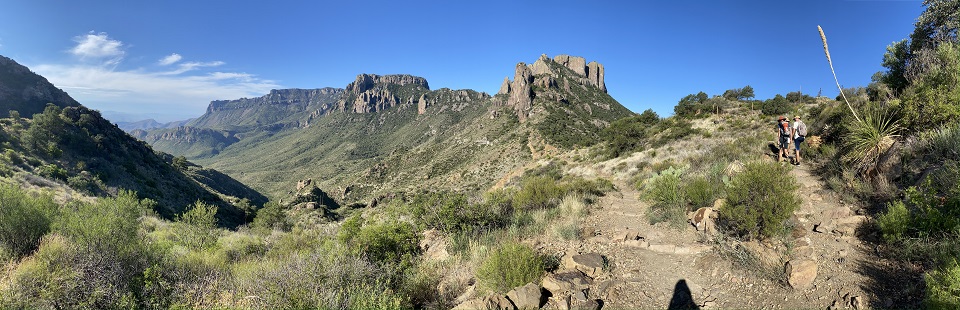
(703, 220)
(630, 234)
(564, 282)
(558, 303)
(526, 297)
(801, 273)
(433, 245)
(492, 302)
(590, 264)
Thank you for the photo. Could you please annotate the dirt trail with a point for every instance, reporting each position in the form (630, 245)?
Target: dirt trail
(646, 274)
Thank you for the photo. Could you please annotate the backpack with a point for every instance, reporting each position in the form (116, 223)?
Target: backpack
(802, 129)
(784, 129)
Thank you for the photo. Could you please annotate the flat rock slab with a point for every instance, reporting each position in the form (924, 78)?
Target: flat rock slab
(590, 264)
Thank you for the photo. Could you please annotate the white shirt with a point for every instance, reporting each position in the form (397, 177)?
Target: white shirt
(796, 129)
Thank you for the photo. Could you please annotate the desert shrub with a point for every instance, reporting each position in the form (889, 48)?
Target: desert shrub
(95, 258)
(52, 171)
(702, 191)
(931, 213)
(23, 221)
(584, 187)
(759, 200)
(328, 278)
(386, 243)
(628, 134)
(510, 266)
(199, 223)
(452, 212)
(666, 192)
(943, 287)
(271, 217)
(538, 193)
(895, 221)
(13, 157)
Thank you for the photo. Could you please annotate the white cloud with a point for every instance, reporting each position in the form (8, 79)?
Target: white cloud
(171, 59)
(190, 66)
(98, 47)
(186, 90)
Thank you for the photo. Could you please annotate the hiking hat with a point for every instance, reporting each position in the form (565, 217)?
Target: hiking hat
(781, 118)
(796, 117)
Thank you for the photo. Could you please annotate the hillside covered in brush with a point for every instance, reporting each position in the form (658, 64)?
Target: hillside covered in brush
(382, 134)
(64, 144)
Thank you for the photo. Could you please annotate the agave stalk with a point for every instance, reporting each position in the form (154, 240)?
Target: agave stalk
(826, 50)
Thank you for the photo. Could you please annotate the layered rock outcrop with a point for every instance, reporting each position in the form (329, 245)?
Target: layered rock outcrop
(371, 92)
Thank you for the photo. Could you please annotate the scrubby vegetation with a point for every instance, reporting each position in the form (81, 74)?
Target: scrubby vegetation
(117, 253)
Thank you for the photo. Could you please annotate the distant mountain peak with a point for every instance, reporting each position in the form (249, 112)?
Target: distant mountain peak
(554, 77)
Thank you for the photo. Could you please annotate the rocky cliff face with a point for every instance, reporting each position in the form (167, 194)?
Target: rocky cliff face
(283, 107)
(372, 93)
(548, 75)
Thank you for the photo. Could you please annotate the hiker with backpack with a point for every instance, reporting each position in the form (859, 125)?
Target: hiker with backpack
(783, 134)
(799, 131)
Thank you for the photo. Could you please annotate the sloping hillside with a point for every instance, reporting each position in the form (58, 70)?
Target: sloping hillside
(77, 147)
(382, 134)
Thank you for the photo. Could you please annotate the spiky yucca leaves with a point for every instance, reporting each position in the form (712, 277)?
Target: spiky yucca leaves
(867, 140)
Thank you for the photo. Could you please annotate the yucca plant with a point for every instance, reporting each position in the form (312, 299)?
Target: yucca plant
(867, 140)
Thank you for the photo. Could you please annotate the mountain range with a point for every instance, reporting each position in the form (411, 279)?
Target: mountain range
(386, 133)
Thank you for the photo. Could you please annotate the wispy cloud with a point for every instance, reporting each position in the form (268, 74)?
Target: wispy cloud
(185, 90)
(98, 46)
(171, 59)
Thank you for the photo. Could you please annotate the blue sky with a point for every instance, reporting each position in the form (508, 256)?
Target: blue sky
(169, 59)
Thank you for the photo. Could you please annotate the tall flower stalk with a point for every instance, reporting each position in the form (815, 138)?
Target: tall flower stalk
(826, 50)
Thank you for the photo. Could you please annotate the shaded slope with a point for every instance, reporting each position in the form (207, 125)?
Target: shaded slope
(26, 92)
(77, 146)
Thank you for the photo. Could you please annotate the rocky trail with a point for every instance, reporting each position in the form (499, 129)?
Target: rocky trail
(626, 263)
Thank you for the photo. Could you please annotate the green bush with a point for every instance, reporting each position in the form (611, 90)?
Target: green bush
(665, 190)
(510, 266)
(392, 242)
(895, 221)
(199, 225)
(537, 193)
(23, 221)
(271, 217)
(760, 200)
(701, 191)
(95, 258)
(943, 287)
(52, 171)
